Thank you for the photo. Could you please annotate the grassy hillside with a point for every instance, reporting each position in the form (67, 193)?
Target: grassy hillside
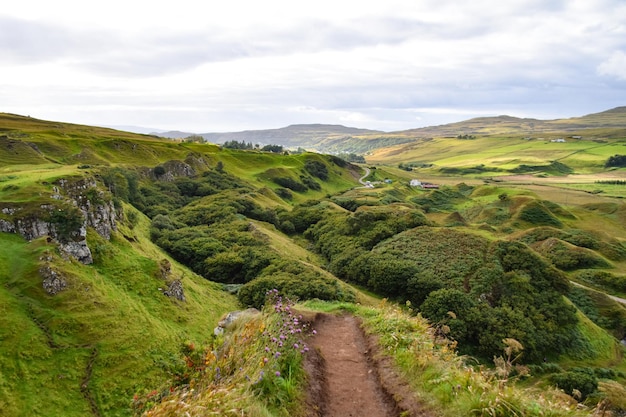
(110, 332)
(489, 257)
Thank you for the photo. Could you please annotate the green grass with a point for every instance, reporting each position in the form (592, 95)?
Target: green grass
(114, 308)
(114, 316)
(443, 380)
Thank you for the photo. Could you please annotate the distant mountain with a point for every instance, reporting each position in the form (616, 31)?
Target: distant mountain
(337, 138)
(173, 134)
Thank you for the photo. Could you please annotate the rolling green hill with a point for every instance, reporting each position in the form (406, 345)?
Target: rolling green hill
(122, 252)
(93, 311)
(340, 139)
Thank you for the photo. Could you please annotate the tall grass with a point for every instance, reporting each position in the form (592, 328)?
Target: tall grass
(447, 381)
(254, 369)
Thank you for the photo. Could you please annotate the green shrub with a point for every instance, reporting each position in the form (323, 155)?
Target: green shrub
(290, 183)
(536, 213)
(317, 169)
(578, 381)
(67, 222)
(304, 286)
(284, 193)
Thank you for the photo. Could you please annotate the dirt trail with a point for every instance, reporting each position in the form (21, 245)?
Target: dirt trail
(348, 378)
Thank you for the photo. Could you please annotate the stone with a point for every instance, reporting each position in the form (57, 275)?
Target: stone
(78, 250)
(231, 317)
(175, 290)
(53, 283)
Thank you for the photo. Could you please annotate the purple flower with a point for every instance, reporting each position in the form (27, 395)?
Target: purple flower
(277, 373)
(295, 346)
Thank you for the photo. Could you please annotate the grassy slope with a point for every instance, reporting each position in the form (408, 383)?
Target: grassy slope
(122, 283)
(112, 318)
(112, 310)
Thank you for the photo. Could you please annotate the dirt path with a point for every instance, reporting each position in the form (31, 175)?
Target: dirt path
(347, 376)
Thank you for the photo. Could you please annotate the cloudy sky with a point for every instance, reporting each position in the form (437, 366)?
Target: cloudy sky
(210, 66)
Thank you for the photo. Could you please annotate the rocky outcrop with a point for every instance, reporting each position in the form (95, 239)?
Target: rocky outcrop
(78, 250)
(97, 208)
(53, 282)
(171, 170)
(174, 286)
(175, 290)
(74, 205)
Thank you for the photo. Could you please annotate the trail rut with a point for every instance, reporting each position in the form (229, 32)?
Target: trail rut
(349, 378)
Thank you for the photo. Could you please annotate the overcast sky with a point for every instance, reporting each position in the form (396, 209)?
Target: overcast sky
(211, 66)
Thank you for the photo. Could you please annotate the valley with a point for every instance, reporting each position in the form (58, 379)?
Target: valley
(489, 293)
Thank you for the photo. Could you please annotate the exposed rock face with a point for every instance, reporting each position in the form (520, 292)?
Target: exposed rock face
(175, 289)
(98, 210)
(174, 169)
(78, 250)
(6, 226)
(95, 206)
(53, 282)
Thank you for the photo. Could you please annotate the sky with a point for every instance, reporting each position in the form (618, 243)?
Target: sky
(207, 66)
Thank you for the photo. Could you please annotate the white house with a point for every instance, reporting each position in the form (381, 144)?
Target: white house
(415, 183)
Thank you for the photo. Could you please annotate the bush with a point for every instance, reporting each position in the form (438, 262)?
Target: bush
(616, 161)
(67, 222)
(310, 183)
(290, 183)
(159, 170)
(578, 381)
(317, 169)
(284, 193)
(304, 286)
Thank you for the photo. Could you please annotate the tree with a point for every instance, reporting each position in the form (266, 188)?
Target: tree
(616, 161)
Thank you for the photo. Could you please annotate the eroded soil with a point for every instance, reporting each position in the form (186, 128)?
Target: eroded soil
(348, 377)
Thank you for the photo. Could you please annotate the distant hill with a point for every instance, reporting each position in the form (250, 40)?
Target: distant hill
(508, 125)
(318, 137)
(337, 138)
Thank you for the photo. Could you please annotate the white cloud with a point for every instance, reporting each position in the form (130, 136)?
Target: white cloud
(247, 64)
(614, 66)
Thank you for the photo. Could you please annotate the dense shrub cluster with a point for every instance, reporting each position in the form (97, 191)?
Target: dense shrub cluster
(600, 309)
(296, 282)
(579, 383)
(478, 292)
(443, 199)
(550, 242)
(537, 213)
(290, 183)
(603, 279)
(317, 169)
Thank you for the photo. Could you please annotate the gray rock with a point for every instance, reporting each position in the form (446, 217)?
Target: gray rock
(175, 289)
(231, 317)
(53, 282)
(6, 226)
(78, 250)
